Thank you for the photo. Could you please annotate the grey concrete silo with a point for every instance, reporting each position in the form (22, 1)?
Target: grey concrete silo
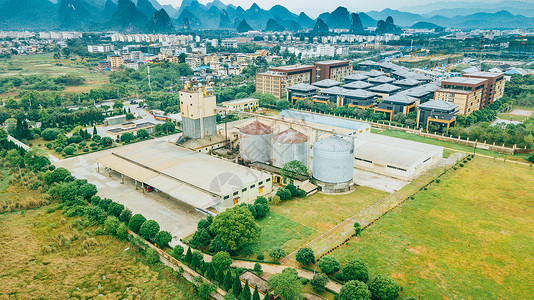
(255, 142)
(289, 145)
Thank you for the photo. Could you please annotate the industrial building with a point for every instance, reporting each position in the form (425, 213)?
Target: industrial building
(199, 122)
(115, 120)
(255, 142)
(394, 157)
(332, 166)
(194, 178)
(246, 104)
(130, 127)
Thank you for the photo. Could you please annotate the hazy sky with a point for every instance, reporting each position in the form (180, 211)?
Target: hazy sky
(315, 6)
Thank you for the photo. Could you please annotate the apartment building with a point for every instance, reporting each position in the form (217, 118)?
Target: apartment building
(277, 79)
(332, 69)
(494, 89)
(115, 61)
(467, 93)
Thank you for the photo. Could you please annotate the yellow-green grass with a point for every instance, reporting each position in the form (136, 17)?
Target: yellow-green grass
(322, 212)
(279, 231)
(48, 256)
(507, 116)
(4, 181)
(47, 64)
(471, 236)
(454, 146)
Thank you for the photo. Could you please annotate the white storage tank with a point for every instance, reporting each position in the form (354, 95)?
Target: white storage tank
(289, 145)
(255, 142)
(333, 160)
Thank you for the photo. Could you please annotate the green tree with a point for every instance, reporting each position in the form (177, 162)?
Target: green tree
(127, 137)
(384, 288)
(329, 264)
(293, 168)
(237, 289)
(177, 252)
(221, 260)
(319, 282)
(135, 222)
(125, 215)
(152, 256)
(246, 294)
(212, 275)
(235, 227)
(188, 255)
(115, 209)
(354, 290)
(205, 289)
(106, 141)
(357, 229)
(286, 284)
(122, 231)
(305, 256)
(112, 224)
(162, 239)
(277, 253)
(355, 270)
(220, 277)
(256, 294)
(257, 269)
(50, 134)
(69, 150)
(142, 134)
(228, 281)
(88, 190)
(149, 229)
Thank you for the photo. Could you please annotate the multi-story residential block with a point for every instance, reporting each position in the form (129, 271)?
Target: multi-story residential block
(332, 69)
(115, 61)
(467, 93)
(494, 89)
(276, 80)
(100, 48)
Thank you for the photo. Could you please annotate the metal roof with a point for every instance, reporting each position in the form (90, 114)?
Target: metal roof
(393, 151)
(367, 63)
(357, 85)
(240, 101)
(333, 144)
(290, 136)
(256, 128)
(464, 80)
(408, 82)
(373, 73)
(321, 119)
(195, 178)
(335, 90)
(358, 93)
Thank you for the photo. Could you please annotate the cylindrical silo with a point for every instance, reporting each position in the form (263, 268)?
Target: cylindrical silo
(289, 145)
(255, 142)
(333, 160)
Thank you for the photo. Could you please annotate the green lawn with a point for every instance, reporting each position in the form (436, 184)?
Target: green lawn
(279, 231)
(427, 140)
(322, 212)
(471, 236)
(4, 181)
(507, 117)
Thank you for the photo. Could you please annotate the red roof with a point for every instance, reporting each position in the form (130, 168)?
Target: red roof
(290, 136)
(256, 128)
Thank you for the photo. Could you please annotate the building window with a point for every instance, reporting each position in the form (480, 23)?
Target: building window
(226, 197)
(268, 179)
(244, 190)
(235, 193)
(252, 186)
(261, 182)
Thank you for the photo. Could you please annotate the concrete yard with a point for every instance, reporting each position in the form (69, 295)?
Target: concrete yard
(378, 181)
(176, 217)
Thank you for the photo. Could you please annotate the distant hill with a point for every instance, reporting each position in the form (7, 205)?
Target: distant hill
(243, 26)
(128, 16)
(160, 23)
(425, 25)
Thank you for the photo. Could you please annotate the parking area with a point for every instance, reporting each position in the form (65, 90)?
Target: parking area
(174, 216)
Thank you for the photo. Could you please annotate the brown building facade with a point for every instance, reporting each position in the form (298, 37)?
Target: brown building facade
(277, 79)
(467, 93)
(494, 88)
(332, 69)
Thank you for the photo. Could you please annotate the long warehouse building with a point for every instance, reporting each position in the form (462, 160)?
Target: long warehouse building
(197, 179)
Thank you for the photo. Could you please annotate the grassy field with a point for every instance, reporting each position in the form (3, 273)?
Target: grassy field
(279, 231)
(471, 236)
(47, 64)
(507, 116)
(427, 140)
(52, 256)
(322, 212)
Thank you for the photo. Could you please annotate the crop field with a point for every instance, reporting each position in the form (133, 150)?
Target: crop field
(470, 236)
(47, 255)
